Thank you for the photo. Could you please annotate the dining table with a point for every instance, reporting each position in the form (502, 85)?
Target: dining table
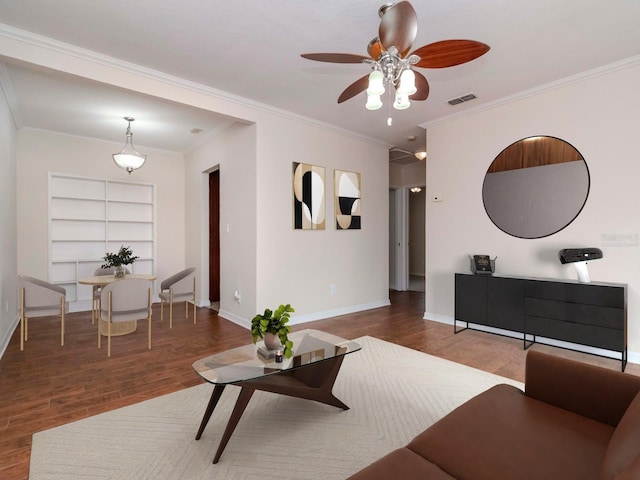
(99, 281)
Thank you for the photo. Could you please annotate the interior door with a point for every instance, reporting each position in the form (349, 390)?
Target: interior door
(214, 236)
(393, 242)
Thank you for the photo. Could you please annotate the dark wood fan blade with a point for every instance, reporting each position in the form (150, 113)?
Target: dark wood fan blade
(335, 57)
(448, 53)
(422, 87)
(375, 48)
(398, 27)
(355, 88)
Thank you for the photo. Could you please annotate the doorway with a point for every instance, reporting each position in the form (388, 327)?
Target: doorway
(214, 240)
(417, 240)
(398, 239)
(407, 242)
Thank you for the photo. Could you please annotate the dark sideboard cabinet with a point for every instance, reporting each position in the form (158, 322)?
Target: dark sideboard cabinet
(590, 314)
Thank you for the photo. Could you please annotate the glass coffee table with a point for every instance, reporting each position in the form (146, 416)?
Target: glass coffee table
(310, 374)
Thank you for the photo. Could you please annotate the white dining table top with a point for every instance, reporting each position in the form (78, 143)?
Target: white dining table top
(107, 279)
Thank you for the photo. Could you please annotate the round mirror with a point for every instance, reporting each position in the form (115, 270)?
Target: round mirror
(536, 187)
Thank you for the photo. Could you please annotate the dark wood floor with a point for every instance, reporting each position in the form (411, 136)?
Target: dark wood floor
(48, 385)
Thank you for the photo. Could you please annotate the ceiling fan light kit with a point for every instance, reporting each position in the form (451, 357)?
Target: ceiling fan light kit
(376, 83)
(374, 102)
(407, 82)
(129, 158)
(375, 90)
(392, 63)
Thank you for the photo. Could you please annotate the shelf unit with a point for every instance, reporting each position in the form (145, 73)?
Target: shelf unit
(89, 217)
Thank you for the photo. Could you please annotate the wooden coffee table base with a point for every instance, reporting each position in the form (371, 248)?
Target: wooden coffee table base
(312, 382)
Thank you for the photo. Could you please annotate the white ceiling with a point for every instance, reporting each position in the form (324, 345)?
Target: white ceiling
(252, 49)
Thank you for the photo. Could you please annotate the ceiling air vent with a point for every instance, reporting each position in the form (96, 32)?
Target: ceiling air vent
(462, 99)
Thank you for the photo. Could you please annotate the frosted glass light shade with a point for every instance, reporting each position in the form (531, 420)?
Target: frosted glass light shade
(129, 159)
(407, 83)
(402, 101)
(376, 83)
(373, 102)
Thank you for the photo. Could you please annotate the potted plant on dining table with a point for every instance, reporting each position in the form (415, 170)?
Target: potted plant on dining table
(119, 260)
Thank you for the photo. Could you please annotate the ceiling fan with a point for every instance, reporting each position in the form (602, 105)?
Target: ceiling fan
(392, 63)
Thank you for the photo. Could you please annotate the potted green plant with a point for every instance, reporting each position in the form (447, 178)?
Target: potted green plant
(117, 261)
(272, 327)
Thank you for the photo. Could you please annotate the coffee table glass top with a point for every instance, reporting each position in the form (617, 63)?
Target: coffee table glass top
(247, 363)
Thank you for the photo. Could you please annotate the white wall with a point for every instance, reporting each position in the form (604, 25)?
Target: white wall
(414, 174)
(299, 266)
(233, 153)
(8, 239)
(409, 175)
(395, 175)
(262, 256)
(290, 266)
(40, 153)
(598, 115)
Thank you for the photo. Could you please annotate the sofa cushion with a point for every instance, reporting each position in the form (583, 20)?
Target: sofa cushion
(502, 433)
(401, 464)
(624, 446)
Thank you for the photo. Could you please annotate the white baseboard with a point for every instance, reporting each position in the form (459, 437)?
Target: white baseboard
(232, 317)
(632, 357)
(4, 342)
(300, 319)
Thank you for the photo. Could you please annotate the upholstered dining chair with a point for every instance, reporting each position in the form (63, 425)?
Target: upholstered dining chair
(40, 299)
(123, 301)
(97, 291)
(178, 287)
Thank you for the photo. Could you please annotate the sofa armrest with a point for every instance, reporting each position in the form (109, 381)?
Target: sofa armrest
(591, 391)
(404, 464)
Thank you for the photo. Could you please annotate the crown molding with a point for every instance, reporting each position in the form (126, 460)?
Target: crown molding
(135, 69)
(547, 87)
(116, 145)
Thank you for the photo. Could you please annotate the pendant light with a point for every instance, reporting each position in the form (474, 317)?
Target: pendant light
(129, 159)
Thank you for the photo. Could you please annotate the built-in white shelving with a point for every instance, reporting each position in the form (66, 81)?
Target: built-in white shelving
(89, 217)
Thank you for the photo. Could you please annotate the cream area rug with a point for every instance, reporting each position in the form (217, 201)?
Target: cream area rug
(393, 393)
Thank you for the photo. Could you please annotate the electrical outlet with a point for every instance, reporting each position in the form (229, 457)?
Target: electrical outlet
(332, 288)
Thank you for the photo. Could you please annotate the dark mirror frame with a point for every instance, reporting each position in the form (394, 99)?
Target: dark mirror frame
(536, 187)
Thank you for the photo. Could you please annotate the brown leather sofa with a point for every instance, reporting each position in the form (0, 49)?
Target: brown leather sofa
(573, 421)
